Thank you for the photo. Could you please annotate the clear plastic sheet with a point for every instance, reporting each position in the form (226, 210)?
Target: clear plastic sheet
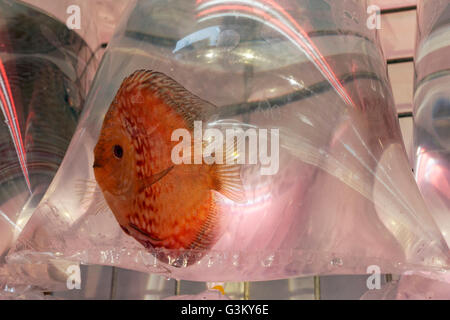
(45, 74)
(343, 197)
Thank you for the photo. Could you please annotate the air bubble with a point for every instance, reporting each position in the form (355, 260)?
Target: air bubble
(267, 262)
(337, 262)
(228, 39)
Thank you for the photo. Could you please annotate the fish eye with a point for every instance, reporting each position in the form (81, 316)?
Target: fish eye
(118, 151)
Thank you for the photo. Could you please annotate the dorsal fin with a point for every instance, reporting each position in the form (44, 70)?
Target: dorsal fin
(185, 103)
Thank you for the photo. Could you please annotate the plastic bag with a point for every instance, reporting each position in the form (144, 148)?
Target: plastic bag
(93, 20)
(45, 73)
(431, 110)
(330, 193)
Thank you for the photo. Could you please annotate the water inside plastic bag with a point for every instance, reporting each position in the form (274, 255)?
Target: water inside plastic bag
(343, 197)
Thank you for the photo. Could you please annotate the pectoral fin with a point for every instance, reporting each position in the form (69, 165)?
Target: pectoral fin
(145, 183)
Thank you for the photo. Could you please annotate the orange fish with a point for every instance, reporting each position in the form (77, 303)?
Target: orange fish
(160, 204)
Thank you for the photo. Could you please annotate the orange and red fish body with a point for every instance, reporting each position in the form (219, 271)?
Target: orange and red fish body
(160, 204)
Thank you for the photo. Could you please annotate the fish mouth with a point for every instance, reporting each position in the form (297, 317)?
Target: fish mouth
(96, 165)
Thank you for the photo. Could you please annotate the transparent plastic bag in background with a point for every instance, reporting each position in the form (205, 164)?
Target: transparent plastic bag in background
(45, 73)
(343, 197)
(97, 18)
(432, 110)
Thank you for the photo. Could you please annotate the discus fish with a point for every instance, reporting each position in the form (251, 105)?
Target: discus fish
(160, 204)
